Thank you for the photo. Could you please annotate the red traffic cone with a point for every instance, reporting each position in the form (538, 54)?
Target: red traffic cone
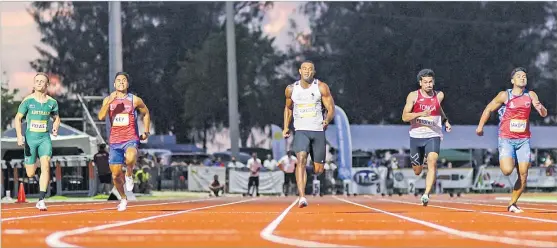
(21, 194)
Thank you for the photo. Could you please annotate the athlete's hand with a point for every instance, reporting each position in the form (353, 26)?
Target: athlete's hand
(480, 131)
(286, 133)
(20, 141)
(54, 132)
(325, 125)
(425, 113)
(144, 136)
(448, 126)
(112, 96)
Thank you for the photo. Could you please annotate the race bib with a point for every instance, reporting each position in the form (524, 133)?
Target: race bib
(427, 121)
(121, 120)
(37, 126)
(518, 126)
(306, 110)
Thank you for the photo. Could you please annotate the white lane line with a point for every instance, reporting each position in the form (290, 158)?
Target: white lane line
(57, 205)
(477, 211)
(267, 233)
(463, 234)
(490, 205)
(95, 210)
(328, 232)
(135, 232)
(55, 239)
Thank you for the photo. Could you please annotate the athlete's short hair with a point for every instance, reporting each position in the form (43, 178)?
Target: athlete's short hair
(425, 73)
(45, 75)
(307, 61)
(123, 73)
(517, 69)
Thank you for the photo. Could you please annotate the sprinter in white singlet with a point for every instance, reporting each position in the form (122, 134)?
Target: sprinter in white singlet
(423, 110)
(305, 100)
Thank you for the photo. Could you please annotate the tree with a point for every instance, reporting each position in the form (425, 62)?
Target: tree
(9, 104)
(156, 37)
(202, 81)
(370, 52)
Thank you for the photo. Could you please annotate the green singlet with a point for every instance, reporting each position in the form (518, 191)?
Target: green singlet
(37, 135)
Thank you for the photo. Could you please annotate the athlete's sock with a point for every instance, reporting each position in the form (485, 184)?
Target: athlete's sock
(42, 195)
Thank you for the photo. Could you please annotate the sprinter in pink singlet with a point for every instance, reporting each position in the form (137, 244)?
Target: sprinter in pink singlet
(423, 111)
(514, 130)
(122, 108)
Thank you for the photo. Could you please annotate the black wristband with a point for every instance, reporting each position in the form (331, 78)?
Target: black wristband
(445, 120)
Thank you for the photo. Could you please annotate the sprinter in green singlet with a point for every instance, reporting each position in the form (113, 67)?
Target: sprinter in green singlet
(38, 108)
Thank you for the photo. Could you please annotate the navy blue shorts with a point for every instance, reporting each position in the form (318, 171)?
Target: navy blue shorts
(117, 152)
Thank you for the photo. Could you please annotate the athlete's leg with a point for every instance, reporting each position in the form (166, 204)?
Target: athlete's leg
(301, 176)
(416, 155)
(45, 153)
(30, 152)
(116, 161)
(431, 171)
(506, 155)
(319, 148)
(432, 147)
(130, 160)
(300, 146)
(523, 158)
(118, 179)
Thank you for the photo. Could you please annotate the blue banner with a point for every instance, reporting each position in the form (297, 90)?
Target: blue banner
(278, 143)
(344, 144)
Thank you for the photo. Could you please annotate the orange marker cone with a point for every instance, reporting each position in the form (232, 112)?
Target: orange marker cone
(21, 194)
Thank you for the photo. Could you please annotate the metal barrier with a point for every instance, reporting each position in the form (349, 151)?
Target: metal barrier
(70, 175)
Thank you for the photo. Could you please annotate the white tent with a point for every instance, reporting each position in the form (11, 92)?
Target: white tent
(67, 137)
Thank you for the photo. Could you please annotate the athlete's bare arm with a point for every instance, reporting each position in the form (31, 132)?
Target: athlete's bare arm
(18, 117)
(287, 111)
(19, 134)
(407, 114)
(328, 102)
(537, 104)
(440, 97)
(494, 105)
(55, 124)
(106, 104)
(143, 110)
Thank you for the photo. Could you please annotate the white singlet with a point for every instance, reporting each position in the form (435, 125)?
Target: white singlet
(308, 110)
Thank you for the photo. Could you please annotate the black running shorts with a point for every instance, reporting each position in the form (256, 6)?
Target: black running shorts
(421, 147)
(312, 142)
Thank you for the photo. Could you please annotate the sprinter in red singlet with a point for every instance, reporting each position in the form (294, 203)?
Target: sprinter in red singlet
(423, 111)
(514, 130)
(122, 108)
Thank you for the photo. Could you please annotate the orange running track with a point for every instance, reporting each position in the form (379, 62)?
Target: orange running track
(330, 221)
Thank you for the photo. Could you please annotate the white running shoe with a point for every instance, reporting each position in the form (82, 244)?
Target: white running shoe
(41, 205)
(129, 183)
(425, 200)
(123, 205)
(514, 209)
(302, 202)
